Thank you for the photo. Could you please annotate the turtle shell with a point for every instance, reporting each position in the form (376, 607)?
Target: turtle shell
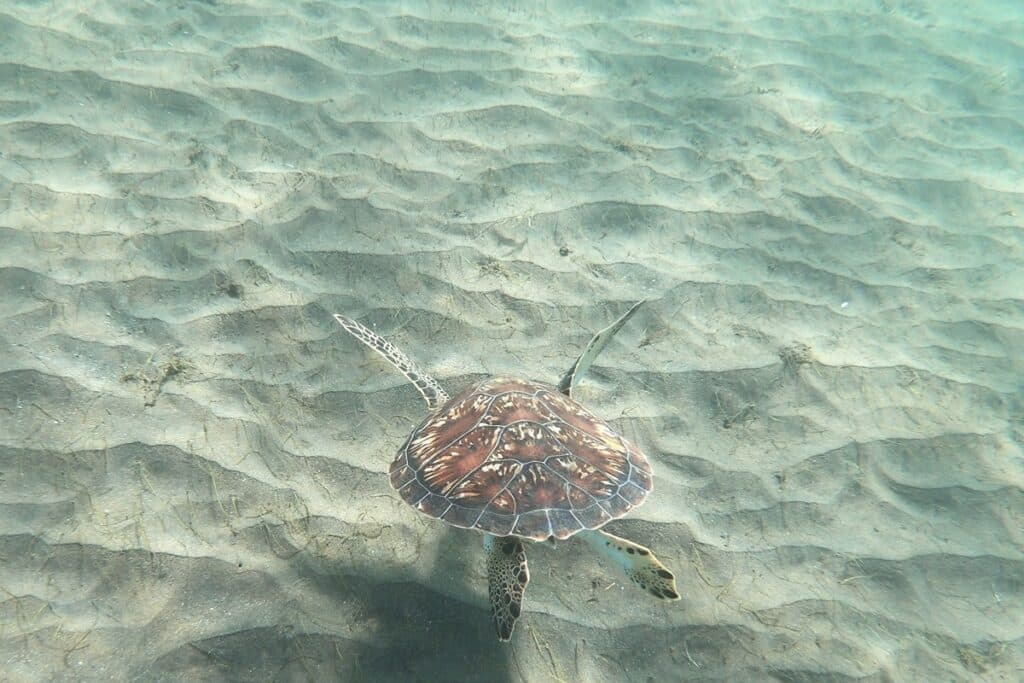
(516, 457)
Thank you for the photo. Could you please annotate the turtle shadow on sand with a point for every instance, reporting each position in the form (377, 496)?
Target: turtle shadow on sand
(410, 631)
(349, 624)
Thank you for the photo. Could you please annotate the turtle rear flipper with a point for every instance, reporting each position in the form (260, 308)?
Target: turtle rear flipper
(507, 576)
(638, 562)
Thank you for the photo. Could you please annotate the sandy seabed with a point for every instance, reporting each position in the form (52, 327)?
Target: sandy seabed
(822, 206)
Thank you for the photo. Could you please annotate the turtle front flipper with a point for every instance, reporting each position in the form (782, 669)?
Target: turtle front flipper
(507, 576)
(596, 345)
(639, 563)
(428, 387)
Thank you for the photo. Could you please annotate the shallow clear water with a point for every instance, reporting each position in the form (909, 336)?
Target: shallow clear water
(821, 205)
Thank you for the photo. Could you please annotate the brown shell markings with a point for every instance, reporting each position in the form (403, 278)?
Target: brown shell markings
(515, 457)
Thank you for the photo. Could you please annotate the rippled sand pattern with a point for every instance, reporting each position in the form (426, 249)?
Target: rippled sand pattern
(823, 208)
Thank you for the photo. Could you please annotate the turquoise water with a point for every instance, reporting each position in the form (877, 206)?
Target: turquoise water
(821, 206)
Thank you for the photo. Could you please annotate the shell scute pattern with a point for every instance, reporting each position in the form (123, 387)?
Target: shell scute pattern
(509, 408)
(485, 482)
(515, 457)
(448, 466)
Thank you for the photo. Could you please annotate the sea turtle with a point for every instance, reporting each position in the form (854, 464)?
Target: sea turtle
(518, 459)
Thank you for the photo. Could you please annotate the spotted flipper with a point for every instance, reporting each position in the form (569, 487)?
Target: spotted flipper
(638, 562)
(507, 576)
(428, 387)
(595, 347)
